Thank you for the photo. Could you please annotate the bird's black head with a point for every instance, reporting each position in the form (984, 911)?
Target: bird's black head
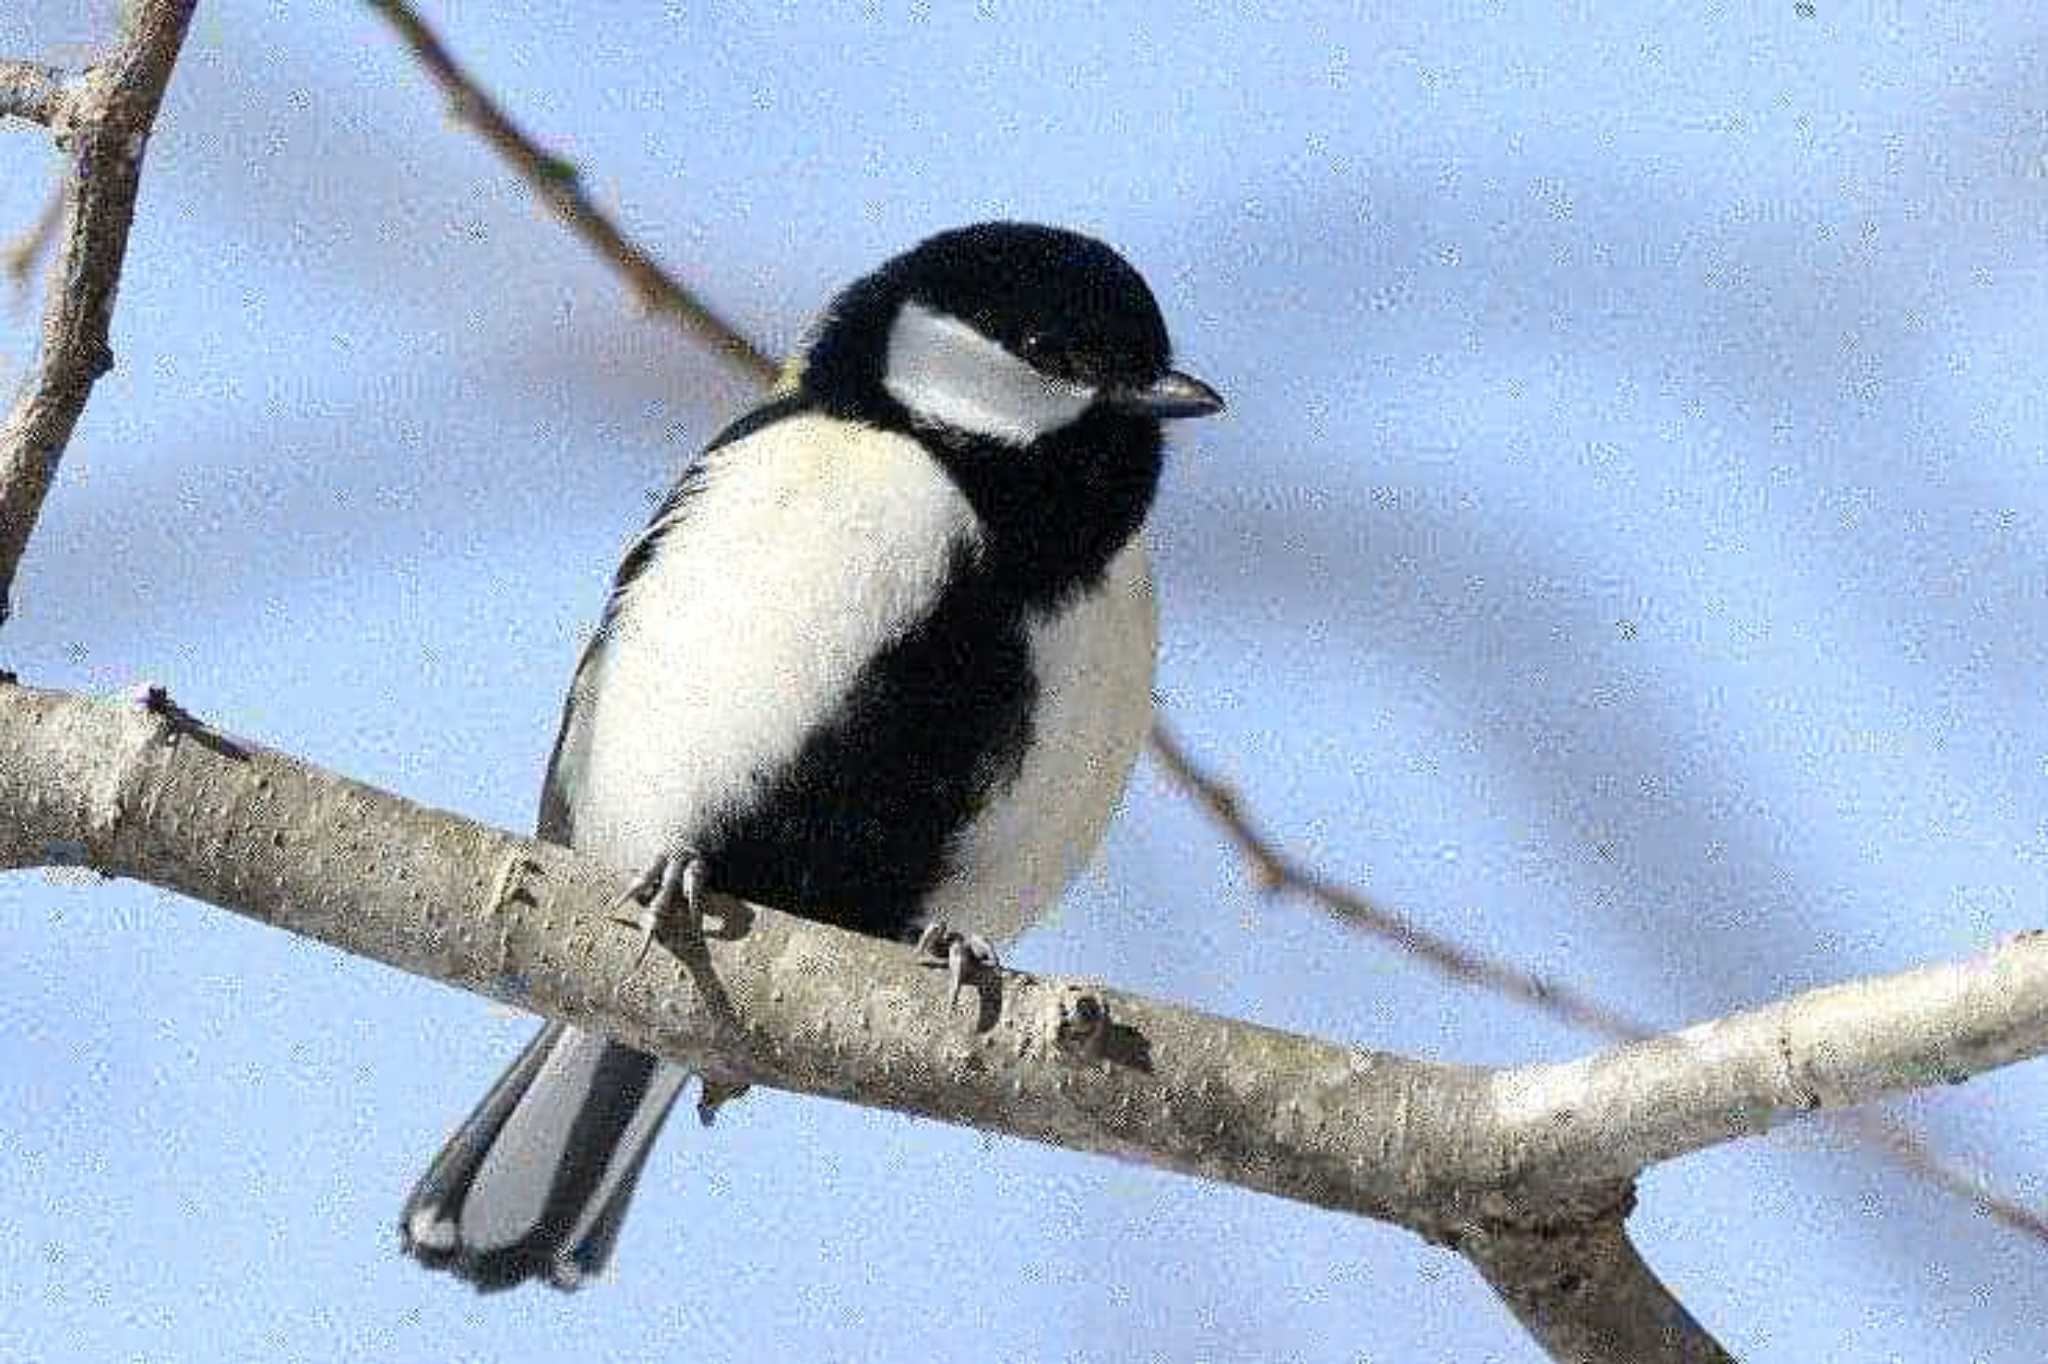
(1034, 362)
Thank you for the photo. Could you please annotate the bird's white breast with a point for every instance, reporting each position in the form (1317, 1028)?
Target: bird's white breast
(810, 546)
(1094, 661)
(809, 549)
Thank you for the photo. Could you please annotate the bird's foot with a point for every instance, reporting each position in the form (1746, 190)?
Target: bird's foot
(966, 956)
(673, 884)
(713, 1094)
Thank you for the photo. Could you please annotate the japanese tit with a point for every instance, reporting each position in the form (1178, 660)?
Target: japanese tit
(883, 656)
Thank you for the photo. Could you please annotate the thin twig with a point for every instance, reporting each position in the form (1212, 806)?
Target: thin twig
(1904, 1144)
(560, 185)
(105, 123)
(1275, 871)
(19, 256)
(557, 182)
(31, 90)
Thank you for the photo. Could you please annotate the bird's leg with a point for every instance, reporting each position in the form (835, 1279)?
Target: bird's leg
(966, 956)
(673, 882)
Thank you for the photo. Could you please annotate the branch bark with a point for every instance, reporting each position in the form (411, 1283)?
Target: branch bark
(1524, 1170)
(103, 123)
(30, 90)
(1586, 1296)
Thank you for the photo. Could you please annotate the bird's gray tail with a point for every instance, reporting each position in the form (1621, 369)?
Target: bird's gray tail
(536, 1182)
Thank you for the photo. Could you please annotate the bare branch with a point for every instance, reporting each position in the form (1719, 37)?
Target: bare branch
(560, 186)
(146, 791)
(1742, 1074)
(1526, 1170)
(31, 90)
(1585, 1294)
(18, 257)
(103, 125)
(1274, 870)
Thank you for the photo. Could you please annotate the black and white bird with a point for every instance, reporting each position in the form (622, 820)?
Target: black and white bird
(883, 656)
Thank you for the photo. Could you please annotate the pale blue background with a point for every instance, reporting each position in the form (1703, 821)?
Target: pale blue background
(1624, 552)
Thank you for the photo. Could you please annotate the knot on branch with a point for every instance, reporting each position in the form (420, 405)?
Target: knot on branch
(1080, 1023)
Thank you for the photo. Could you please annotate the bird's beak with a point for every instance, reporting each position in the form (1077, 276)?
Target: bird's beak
(1174, 395)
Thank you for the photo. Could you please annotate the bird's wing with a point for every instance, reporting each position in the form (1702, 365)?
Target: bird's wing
(567, 762)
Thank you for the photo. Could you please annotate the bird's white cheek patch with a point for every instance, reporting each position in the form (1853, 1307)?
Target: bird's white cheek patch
(947, 373)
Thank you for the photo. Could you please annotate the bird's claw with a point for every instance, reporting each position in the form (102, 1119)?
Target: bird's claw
(674, 881)
(966, 956)
(714, 1094)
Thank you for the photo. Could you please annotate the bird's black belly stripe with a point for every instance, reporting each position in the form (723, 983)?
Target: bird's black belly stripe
(858, 826)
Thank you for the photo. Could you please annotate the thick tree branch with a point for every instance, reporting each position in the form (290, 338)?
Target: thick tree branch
(102, 123)
(1738, 1075)
(1586, 1296)
(1510, 1166)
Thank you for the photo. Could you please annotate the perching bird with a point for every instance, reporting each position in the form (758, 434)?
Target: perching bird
(883, 656)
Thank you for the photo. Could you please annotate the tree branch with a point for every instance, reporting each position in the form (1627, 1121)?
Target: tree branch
(30, 90)
(1828, 1048)
(1275, 870)
(1509, 1166)
(103, 124)
(19, 256)
(1585, 1294)
(560, 186)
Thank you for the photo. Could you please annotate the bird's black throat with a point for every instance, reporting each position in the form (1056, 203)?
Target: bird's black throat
(1058, 511)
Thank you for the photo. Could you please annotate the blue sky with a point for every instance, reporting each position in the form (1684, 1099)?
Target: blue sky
(1624, 552)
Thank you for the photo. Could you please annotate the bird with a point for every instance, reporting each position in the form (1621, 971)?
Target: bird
(882, 656)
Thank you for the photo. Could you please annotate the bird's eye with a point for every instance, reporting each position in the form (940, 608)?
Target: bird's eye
(1033, 346)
